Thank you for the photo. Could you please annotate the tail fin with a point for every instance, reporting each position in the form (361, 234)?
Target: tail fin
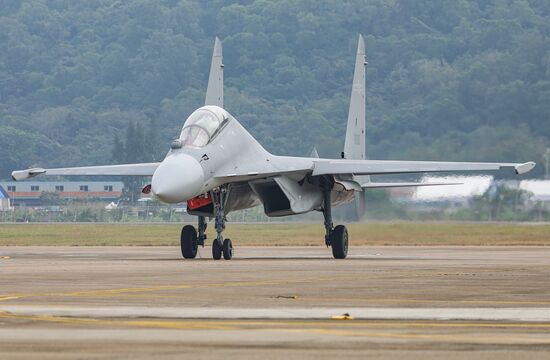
(214, 93)
(354, 146)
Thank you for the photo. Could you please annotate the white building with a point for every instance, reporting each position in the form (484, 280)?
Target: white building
(5, 203)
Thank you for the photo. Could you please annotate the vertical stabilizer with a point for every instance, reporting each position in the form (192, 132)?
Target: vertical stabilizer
(354, 146)
(214, 92)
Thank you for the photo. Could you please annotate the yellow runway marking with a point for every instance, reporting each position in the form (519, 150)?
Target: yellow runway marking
(293, 323)
(9, 298)
(136, 323)
(312, 327)
(379, 323)
(5, 257)
(452, 338)
(134, 290)
(117, 291)
(421, 301)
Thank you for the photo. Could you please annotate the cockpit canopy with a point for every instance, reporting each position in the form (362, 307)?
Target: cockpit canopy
(202, 125)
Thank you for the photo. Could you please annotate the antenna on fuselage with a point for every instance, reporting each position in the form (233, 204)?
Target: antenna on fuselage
(214, 92)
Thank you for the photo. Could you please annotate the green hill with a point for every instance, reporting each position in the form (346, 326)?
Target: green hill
(456, 80)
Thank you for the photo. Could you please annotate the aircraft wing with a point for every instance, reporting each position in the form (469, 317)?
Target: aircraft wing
(142, 169)
(301, 166)
(382, 167)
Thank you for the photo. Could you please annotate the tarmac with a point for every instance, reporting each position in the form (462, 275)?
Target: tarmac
(274, 302)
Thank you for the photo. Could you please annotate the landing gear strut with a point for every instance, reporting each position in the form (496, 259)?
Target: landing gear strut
(220, 246)
(202, 229)
(335, 237)
(191, 239)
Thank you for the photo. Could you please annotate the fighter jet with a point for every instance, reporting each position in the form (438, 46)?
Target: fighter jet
(216, 166)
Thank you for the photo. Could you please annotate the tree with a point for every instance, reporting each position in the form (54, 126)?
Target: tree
(139, 146)
(440, 74)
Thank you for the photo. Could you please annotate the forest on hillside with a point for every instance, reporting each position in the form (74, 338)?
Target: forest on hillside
(446, 80)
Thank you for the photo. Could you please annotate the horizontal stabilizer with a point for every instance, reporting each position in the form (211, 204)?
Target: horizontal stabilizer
(378, 185)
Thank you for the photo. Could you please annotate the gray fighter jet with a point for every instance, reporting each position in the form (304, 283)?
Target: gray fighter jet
(216, 166)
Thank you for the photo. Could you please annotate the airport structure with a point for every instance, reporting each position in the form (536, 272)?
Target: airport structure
(30, 193)
(469, 187)
(5, 203)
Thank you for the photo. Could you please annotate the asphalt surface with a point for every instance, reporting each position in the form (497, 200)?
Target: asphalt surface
(383, 302)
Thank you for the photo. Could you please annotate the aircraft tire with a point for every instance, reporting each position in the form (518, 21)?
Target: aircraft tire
(189, 242)
(227, 249)
(217, 249)
(340, 242)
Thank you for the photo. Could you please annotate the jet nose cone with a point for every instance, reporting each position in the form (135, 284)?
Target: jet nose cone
(178, 178)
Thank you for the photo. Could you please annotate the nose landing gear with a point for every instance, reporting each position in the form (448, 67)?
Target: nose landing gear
(190, 239)
(219, 246)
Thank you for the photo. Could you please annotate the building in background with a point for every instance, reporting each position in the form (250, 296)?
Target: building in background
(539, 188)
(5, 204)
(470, 187)
(33, 192)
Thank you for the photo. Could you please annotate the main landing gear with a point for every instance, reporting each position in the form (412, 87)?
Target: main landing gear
(190, 239)
(335, 237)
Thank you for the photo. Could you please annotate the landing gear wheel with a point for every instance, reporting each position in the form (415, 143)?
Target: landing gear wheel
(217, 249)
(339, 239)
(227, 249)
(188, 242)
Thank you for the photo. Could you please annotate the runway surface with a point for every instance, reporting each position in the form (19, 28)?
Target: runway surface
(387, 302)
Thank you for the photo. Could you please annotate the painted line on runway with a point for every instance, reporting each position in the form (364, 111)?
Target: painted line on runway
(274, 323)
(131, 290)
(115, 322)
(541, 315)
(450, 338)
(371, 301)
(290, 327)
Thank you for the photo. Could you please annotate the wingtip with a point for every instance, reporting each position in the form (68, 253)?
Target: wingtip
(19, 175)
(525, 167)
(26, 174)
